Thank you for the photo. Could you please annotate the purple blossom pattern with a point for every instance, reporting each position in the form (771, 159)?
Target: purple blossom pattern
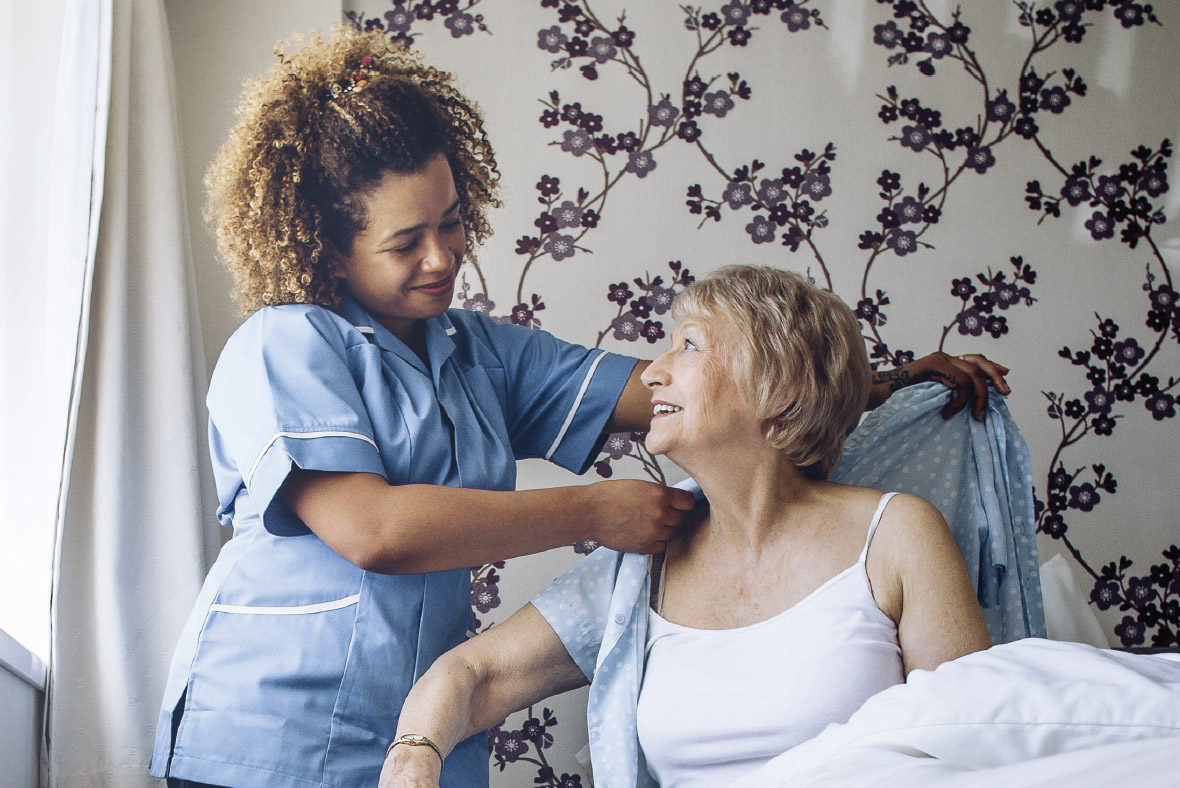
(662, 114)
(399, 22)
(560, 246)
(641, 163)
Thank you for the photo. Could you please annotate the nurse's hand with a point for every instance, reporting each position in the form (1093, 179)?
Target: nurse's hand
(410, 767)
(967, 377)
(635, 516)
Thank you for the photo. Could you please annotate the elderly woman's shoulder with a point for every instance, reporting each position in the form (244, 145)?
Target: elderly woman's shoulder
(852, 497)
(912, 521)
(912, 505)
(904, 511)
(912, 540)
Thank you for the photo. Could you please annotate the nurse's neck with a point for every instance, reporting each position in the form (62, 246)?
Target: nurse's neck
(414, 336)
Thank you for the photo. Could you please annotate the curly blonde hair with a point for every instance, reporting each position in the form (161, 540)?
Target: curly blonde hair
(796, 352)
(314, 134)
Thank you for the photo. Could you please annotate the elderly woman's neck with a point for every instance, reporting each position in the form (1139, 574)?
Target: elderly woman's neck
(752, 494)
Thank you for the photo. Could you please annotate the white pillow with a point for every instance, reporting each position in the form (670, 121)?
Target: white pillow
(1068, 615)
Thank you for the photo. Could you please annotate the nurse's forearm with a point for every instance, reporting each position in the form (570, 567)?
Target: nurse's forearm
(422, 528)
(966, 376)
(632, 412)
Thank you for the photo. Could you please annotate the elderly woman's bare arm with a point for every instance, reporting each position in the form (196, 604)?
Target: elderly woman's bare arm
(924, 586)
(474, 686)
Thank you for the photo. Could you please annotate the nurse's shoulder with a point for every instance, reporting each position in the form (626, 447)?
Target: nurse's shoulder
(289, 329)
(280, 342)
(292, 323)
(485, 338)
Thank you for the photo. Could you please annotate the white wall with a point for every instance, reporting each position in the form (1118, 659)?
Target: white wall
(21, 707)
(215, 45)
(22, 699)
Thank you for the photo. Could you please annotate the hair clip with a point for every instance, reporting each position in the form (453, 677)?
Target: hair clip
(356, 79)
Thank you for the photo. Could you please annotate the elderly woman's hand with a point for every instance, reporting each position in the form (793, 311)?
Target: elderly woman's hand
(966, 376)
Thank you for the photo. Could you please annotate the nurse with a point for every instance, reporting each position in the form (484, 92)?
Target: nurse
(364, 436)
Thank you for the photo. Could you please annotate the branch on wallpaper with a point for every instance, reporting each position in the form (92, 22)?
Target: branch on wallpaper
(399, 21)
(1120, 200)
(527, 744)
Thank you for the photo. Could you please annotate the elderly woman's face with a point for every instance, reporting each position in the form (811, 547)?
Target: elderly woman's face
(695, 402)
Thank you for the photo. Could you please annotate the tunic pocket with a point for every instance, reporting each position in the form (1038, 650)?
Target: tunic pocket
(264, 682)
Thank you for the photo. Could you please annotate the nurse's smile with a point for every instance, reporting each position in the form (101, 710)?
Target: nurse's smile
(443, 287)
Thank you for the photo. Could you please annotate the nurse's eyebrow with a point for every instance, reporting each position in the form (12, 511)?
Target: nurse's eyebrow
(421, 226)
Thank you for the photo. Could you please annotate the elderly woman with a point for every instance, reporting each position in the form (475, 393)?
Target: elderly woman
(784, 603)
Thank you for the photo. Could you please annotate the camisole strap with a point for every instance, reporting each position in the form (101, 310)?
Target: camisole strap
(656, 602)
(885, 499)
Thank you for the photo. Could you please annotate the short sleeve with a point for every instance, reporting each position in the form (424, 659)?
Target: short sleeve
(284, 393)
(577, 604)
(559, 395)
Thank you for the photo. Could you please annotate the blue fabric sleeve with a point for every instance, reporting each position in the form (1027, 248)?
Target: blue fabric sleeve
(577, 605)
(559, 395)
(283, 394)
(979, 476)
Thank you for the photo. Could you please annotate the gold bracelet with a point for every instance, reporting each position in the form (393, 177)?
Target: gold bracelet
(415, 740)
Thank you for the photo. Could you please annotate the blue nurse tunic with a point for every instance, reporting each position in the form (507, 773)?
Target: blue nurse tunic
(293, 666)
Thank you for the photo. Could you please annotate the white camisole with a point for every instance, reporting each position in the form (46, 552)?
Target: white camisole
(716, 704)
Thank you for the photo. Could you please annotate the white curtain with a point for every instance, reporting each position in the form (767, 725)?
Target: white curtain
(133, 535)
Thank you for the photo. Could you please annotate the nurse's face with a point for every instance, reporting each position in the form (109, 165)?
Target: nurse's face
(402, 265)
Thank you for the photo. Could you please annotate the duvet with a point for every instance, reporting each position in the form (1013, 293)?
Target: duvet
(1029, 713)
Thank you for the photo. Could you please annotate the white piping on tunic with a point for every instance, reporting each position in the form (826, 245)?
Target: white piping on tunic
(574, 409)
(287, 610)
(302, 436)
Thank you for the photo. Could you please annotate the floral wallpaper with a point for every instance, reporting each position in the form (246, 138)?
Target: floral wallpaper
(984, 177)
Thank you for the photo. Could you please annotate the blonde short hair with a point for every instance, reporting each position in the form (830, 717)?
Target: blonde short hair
(796, 352)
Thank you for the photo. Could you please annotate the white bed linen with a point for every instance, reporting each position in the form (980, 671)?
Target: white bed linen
(1021, 714)
(1149, 763)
